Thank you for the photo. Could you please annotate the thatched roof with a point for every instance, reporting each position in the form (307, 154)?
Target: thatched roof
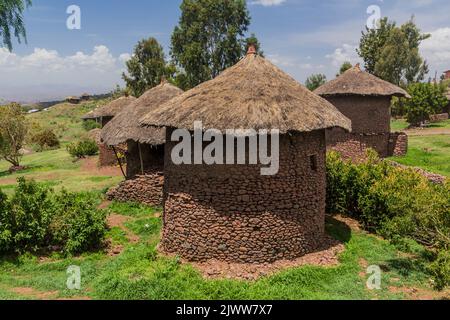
(111, 109)
(253, 94)
(357, 82)
(89, 115)
(125, 126)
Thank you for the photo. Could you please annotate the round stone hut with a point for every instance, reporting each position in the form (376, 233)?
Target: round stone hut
(366, 101)
(103, 115)
(145, 147)
(231, 212)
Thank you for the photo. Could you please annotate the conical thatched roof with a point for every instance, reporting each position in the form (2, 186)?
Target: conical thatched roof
(112, 108)
(125, 126)
(253, 94)
(357, 82)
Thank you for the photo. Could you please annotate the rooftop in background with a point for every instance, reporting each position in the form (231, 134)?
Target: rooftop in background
(358, 82)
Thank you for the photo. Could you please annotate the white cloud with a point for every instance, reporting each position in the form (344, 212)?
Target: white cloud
(436, 50)
(345, 53)
(267, 3)
(24, 77)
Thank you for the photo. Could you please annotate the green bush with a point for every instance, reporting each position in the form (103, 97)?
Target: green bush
(36, 218)
(80, 226)
(45, 140)
(397, 203)
(83, 149)
(89, 125)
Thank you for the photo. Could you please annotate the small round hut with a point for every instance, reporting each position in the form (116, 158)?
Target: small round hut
(103, 115)
(231, 212)
(366, 101)
(145, 147)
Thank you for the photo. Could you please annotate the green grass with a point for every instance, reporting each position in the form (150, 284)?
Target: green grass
(140, 273)
(431, 153)
(399, 125)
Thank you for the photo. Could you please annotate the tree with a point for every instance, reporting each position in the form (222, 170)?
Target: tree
(11, 21)
(345, 66)
(209, 38)
(372, 43)
(13, 129)
(392, 53)
(426, 99)
(146, 67)
(315, 81)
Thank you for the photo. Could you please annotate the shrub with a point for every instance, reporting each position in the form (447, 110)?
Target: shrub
(396, 203)
(45, 139)
(83, 148)
(89, 125)
(80, 226)
(35, 218)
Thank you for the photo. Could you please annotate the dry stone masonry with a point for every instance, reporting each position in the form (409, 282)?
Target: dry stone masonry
(232, 213)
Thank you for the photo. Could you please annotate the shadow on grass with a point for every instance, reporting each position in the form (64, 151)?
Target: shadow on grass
(28, 169)
(338, 229)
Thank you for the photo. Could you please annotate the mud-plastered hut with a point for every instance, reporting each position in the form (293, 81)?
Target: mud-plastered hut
(103, 115)
(232, 212)
(366, 101)
(145, 147)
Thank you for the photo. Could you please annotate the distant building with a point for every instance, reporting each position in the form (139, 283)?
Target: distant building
(73, 100)
(33, 111)
(85, 97)
(447, 75)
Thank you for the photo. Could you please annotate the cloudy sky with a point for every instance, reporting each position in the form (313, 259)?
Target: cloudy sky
(300, 36)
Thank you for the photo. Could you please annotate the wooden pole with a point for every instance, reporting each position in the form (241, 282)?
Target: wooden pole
(140, 158)
(120, 162)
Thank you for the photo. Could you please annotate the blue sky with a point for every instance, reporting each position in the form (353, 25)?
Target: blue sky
(300, 36)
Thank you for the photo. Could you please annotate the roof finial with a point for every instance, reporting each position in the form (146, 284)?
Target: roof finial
(251, 49)
(358, 66)
(163, 79)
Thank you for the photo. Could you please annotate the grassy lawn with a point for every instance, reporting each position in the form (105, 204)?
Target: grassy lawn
(140, 273)
(431, 153)
(399, 125)
(57, 169)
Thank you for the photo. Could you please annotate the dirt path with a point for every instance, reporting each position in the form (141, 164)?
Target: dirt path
(427, 132)
(90, 165)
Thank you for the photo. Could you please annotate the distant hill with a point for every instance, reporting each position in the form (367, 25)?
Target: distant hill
(49, 104)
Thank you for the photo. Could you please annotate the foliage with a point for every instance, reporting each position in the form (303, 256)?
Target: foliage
(344, 67)
(253, 40)
(13, 130)
(396, 203)
(45, 139)
(11, 20)
(392, 53)
(427, 99)
(315, 81)
(36, 218)
(83, 149)
(146, 67)
(89, 125)
(208, 39)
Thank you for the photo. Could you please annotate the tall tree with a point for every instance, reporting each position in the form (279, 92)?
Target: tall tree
(209, 38)
(372, 43)
(344, 67)
(146, 67)
(11, 21)
(315, 81)
(392, 53)
(13, 129)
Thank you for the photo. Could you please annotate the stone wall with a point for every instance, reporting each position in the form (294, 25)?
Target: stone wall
(232, 213)
(368, 114)
(354, 145)
(146, 189)
(439, 117)
(107, 156)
